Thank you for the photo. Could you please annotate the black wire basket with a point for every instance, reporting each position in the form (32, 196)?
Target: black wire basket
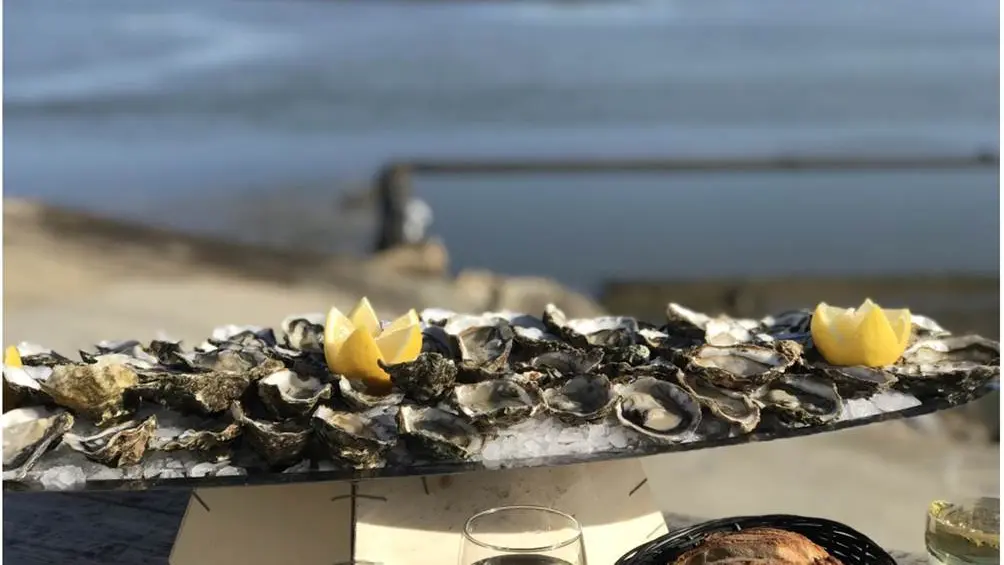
(848, 545)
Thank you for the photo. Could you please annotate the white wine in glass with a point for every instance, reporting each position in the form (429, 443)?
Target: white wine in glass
(964, 527)
(522, 535)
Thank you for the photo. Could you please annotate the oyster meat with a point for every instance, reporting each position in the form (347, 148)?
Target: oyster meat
(437, 434)
(27, 434)
(278, 443)
(304, 332)
(581, 398)
(361, 439)
(118, 446)
(802, 399)
(743, 366)
(733, 406)
(425, 379)
(659, 409)
(357, 397)
(494, 403)
(287, 395)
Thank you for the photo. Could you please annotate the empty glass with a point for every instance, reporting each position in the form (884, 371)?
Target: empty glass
(522, 535)
(963, 527)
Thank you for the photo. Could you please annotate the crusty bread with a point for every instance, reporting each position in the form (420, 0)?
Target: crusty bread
(757, 546)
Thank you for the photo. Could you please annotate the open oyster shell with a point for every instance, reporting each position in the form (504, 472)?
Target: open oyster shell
(354, 394)
(437, 434)
(22, 386)
(855, 381)
(96, 391)
(278, 443)
(605, 331)
(685, 327)
(495, 403)
(735, 407)
(360, 439)
(287, 395)
(425, 379)
(802, 399)
(27, 434)
(658, 409)
(743, 367)
(304, 332)
(199, 440)
(119, 446)
(485, 347)
(938, 366)
(581, 398)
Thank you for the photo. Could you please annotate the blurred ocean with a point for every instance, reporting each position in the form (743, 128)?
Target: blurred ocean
(249, 118)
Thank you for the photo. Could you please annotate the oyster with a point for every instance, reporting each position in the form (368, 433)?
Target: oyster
(304, 332)
(356, 397)
(200, 440)
(743, 366)
(27, 434)
(437, 434)
(684, 326)
(485, 347)
(202, 393)
(33, 355)
(855, 381)
(583, 397)
(605, 331)
(119, 446)
(358, 438)
(22, 385)
(97, 391)
(802, 399)
(793, 325)
(497, 402)
(278, 443)
(568, 362)
(287, 395)
(658, 409)
(425, 379)
(733, 406)
(947, 366)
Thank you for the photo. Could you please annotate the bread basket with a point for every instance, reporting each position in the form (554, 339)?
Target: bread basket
(848, 545)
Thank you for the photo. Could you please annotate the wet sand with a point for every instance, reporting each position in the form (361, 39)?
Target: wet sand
(70, 281)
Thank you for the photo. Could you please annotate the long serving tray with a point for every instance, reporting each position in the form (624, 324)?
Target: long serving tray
(499, 390)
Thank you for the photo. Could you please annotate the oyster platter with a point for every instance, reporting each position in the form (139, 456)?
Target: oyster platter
(332, 396)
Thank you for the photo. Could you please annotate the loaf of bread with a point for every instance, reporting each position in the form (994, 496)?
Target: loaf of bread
(757, 546)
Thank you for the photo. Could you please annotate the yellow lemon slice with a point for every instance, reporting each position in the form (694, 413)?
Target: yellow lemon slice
(12, 357)
(409, 319)
(400, 346)
(363, 316)
(867, 335)
(357, 359)
(337, 328)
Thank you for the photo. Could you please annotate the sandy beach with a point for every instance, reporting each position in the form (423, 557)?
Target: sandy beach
(70, 281)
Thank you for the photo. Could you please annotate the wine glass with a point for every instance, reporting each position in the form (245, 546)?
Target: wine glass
(522, 535)
(963, 527)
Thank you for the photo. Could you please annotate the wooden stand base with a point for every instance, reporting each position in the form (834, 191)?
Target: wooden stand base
(410, 520)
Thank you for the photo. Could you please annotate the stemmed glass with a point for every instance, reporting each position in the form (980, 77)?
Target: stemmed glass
(522, 535)
(963, 527)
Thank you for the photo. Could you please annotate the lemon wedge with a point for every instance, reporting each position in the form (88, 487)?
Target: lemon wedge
(363, 316)
(12, 357)
(355, 346)
(409, 319)
(867, 335)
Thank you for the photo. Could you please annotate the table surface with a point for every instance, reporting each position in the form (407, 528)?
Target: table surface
(128, 528)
